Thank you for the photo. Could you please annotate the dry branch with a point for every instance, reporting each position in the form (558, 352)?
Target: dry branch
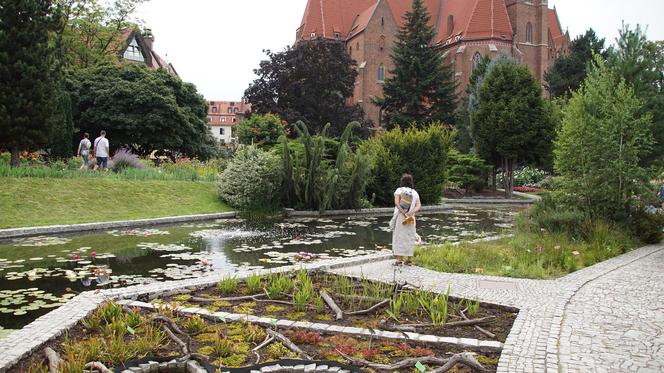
(279, 302)
(463, 358)
(447, 364)
(370, 309)
(170, 322)
(54, 360)
(267, 341)
(330, 302)
(96, 365)
(174, 338)
(231, 299)
(287, 342)
(478, 328)
(361, 298)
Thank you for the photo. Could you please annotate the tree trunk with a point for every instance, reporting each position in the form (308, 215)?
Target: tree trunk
(509, 183)
(493, 179)
(15, 154)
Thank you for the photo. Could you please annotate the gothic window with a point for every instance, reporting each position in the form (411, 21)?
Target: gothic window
(450, 24)
(382, 21)
(381, 72)
(477, 58)
(381, 42)
(529, 33)
(133, 52)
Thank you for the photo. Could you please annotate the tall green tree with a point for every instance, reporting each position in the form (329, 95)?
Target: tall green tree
(310, 83)
(26, 74)
(600, 145)
(570, 69)
(641, 63)
(141, 108)
(421, 88)
(512, 125)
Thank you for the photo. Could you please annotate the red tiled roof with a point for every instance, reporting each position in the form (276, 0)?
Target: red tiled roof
(473, 19)
(555, 29)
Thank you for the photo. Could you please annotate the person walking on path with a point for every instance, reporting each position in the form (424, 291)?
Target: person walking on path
(406, 205)
(84, 151)
(101, 150)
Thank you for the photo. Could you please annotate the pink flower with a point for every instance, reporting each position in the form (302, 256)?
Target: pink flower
(93, 254)
(75, 256)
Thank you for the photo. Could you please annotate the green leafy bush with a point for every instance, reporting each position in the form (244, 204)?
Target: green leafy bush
(467, 170)
(646, 225)
(525, 176)
(261, 130)
(553, 214)
(420, 152)
(251, 179)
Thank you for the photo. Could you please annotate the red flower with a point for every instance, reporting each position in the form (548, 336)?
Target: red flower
(93, 254)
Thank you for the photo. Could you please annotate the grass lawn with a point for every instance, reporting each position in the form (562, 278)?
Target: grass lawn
(539, 255)
(47, 201)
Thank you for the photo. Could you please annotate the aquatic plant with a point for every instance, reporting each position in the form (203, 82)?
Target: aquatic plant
(411, 303)
(195, 324)
(395, 307)
(278, 285)
(254, 283)
(473, 307)
(435, 306)
(227, 285)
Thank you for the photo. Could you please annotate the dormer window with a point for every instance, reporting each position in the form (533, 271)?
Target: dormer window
(133, 52)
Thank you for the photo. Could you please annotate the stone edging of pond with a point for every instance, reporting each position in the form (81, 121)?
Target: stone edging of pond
(70, 228)
(322, 327)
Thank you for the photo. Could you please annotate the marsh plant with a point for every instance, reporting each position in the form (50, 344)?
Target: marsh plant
(435, 305)
(228, 285)
(396, 307)
(278, 285)
(254, 283)
(472, 306)
(195, 324)
(411, 303)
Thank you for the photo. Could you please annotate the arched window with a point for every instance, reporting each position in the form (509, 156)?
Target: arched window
(381, 72)
(477, 58)
(529, 33)
(381, 42)
(450, 24)
(382, 21)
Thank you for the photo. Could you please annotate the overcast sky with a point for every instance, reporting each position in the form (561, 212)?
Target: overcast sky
(216, 44)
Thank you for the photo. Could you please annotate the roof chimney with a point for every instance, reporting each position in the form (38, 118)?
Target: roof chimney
(148, 37)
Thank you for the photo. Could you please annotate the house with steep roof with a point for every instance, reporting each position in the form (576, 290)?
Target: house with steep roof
(466, 30)
(137, 47)
(223, 116)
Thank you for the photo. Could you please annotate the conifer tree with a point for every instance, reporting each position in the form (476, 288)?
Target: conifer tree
(421, 89)
(26, 86)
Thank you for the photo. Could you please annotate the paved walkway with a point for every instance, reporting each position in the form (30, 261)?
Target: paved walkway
(605, 318)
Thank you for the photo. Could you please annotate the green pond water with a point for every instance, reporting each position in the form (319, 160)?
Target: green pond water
(36, 272)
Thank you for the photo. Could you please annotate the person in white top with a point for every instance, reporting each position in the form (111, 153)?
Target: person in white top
(404, 235)
(101, 149)
(84, 150)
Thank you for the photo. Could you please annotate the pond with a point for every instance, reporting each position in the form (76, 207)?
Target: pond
(38, 274)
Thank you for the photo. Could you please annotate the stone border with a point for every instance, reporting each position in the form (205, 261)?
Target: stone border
(70, 228)
(323, 327)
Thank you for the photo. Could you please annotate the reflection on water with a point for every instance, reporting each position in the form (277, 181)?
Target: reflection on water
(35, 271)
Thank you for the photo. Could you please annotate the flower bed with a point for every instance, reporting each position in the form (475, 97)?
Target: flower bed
(361, 325)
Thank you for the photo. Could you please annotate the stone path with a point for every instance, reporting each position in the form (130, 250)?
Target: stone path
(604, 318)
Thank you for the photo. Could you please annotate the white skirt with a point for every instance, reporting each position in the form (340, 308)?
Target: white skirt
(403, 237)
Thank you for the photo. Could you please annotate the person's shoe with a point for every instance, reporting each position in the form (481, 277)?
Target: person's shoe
(397, 263)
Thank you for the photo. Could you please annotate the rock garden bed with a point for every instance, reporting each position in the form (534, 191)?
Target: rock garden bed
(289, 322)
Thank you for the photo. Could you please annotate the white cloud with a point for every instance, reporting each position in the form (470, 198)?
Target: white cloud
(216, 44)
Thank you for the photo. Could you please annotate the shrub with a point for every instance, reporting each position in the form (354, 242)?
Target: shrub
(124, 158)
(646, 225)
(467, 170)
(525, 176)
(5, 158)
(251, 180)
(554, 215)
(420, 152)
(261, 130)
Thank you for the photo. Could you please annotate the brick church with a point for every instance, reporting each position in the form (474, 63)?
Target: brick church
(527, 30)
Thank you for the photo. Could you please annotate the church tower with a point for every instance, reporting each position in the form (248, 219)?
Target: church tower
(530, 25)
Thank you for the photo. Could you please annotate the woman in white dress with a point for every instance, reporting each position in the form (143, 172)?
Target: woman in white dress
(404, 236)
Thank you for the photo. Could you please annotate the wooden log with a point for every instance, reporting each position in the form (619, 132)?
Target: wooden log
(287, 342)
(96, 365)
(54, 360)
(174, 338)
(231, 299)
(174, 326)
(267, 341)
(463, 358)
(330, 302)
(477, 327)
(370, 309)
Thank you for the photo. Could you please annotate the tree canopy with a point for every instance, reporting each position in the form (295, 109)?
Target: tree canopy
(569, 70)
(309, 82)
(421, 88)
(603, 137)
(511, 124)
(140, 108)
(27, 77)
(641, 63)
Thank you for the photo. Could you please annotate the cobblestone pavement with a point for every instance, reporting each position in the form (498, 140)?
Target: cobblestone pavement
(604, 318)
